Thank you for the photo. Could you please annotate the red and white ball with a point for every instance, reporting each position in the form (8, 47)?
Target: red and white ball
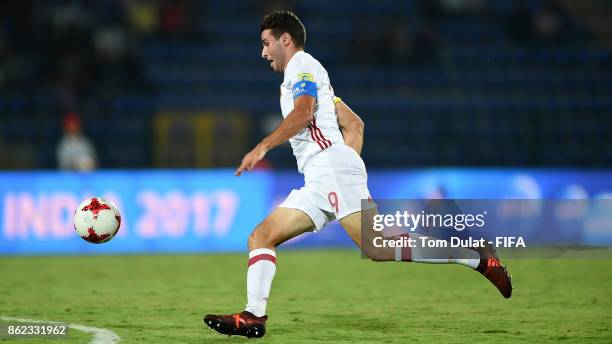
(97, 220)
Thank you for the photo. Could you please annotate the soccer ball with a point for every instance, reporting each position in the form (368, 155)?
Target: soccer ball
(97, 220)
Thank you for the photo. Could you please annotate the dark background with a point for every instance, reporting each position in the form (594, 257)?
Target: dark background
(182, 83)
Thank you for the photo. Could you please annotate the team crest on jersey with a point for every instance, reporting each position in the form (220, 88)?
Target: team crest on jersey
(305, 77)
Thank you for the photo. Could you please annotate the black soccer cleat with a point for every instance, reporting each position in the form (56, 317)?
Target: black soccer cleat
(491, 267)
(240, 324)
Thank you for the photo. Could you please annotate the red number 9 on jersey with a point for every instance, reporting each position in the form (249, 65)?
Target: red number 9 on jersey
(333, 200)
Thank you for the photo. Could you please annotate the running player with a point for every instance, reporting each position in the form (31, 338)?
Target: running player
(326, 137)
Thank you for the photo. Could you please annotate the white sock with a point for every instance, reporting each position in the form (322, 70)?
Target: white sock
(433, 255)
(262, 267)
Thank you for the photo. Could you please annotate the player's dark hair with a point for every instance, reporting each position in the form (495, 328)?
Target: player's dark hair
(285, 21)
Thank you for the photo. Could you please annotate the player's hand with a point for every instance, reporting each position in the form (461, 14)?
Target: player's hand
(251, 159)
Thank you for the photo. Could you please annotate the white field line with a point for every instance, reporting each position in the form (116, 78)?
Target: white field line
(100, 335)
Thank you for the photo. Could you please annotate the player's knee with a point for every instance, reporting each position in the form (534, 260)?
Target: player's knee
(260, 238)
(255, 238)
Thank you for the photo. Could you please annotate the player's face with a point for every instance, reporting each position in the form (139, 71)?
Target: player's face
(272, 50)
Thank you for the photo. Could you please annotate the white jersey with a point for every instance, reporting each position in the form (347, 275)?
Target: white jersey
(305, 75)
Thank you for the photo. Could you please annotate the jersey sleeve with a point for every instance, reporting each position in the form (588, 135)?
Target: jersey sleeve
(303, 80)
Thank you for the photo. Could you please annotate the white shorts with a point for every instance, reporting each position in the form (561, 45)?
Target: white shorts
(335, 183)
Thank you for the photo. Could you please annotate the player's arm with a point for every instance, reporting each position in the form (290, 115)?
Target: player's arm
(350, 124)
(296, 121)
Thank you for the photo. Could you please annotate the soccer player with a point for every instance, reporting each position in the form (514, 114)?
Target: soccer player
(326, 137)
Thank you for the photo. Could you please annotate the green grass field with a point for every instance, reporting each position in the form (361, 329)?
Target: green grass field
(317, 297)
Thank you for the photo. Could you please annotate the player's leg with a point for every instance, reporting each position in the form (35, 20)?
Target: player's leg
(483, 260)
(281, 225)
(352, 224)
